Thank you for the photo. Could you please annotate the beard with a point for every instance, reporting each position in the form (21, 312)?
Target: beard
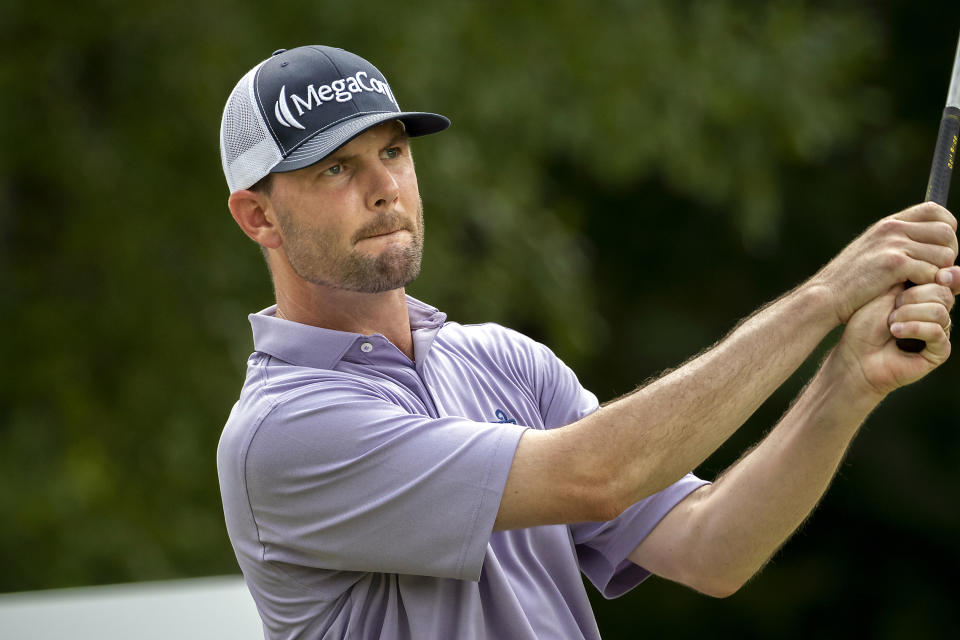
(317, 255)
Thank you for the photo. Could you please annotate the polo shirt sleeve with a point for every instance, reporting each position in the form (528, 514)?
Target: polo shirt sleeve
(603, 547)
(340, 478)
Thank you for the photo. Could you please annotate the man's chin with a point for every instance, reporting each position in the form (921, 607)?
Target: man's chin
(384, 278)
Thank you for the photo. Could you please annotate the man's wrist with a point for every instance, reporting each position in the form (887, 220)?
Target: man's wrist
(843, 373)
(818, 303)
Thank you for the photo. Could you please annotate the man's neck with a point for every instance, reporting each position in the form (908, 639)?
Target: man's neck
(366, 313)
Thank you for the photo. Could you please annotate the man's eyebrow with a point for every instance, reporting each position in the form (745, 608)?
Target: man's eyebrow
(399, 136)
(337, 158)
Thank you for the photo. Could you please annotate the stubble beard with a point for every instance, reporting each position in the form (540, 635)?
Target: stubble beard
(314, 255)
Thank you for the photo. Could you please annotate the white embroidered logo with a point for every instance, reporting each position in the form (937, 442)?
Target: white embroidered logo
(341, 90)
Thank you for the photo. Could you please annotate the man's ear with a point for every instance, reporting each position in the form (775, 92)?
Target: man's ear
(253, 211)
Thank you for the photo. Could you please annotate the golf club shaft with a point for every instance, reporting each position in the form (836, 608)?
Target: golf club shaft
(941, 170)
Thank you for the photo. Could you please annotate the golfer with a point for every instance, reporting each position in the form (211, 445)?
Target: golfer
(387, 473)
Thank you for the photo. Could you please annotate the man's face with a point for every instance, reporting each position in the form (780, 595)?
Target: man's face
(354, 221)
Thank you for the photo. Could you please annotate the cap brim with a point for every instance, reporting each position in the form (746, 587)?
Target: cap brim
(321, 145)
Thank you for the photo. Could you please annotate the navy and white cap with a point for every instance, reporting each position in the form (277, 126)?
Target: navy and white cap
(300, 105)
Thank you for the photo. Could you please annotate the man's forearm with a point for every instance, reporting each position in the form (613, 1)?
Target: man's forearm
(631, 448)
(658, 433)
(729, 529)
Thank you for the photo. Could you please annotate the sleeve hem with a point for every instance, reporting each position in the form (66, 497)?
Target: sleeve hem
(606, 553)
(480, 530)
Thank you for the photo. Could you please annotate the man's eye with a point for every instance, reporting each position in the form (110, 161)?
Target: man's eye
(392, 152)
(334, 170)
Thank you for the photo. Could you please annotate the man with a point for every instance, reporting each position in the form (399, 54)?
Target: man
(389, 474)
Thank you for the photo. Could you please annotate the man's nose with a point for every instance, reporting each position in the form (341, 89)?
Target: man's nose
(384, 189)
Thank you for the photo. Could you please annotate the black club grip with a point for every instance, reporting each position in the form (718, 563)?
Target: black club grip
(938, 188)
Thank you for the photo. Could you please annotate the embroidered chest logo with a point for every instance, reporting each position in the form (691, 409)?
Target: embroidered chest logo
(504, 418)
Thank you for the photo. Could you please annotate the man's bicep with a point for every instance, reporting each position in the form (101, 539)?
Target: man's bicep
(357, 483)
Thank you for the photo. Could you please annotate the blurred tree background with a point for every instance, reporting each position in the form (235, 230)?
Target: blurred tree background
(623, 181)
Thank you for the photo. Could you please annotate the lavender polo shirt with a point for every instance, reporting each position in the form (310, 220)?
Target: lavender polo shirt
(360, 488)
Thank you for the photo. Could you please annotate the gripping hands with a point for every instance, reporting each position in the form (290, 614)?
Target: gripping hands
(867, 279)
(869, 348)
(913, 245)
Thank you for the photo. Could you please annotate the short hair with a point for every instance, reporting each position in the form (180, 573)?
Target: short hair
(264, 185)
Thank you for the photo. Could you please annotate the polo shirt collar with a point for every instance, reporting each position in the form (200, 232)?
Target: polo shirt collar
(309, 346)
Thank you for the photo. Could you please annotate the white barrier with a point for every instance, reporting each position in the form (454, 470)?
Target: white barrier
(208, 608)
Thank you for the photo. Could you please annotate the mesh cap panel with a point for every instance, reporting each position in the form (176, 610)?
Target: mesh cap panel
(247, 150)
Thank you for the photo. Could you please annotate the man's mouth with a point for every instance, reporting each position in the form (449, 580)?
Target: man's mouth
(387, 226)
(384, 233)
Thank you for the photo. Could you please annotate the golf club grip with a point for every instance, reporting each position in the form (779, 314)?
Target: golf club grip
(938, 188)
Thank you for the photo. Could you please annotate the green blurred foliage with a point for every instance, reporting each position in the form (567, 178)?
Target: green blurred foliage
(623, 181)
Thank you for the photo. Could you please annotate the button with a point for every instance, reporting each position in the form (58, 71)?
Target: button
(366, 347)
(278, 52)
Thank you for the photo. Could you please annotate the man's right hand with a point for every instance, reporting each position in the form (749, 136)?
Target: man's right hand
(910, 245)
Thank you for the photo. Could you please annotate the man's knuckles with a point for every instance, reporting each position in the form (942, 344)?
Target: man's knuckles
(927, 211)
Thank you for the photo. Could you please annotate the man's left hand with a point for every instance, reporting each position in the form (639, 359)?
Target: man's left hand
(868, 346)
